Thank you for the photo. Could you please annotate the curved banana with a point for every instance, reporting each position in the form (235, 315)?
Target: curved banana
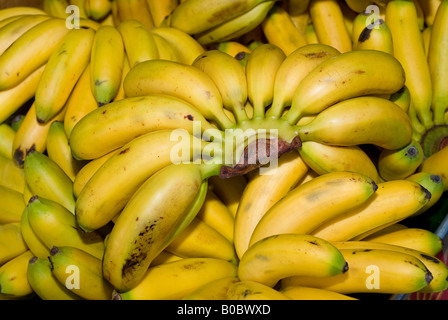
(229, 190)
(213, 290)
(436, 164)
(12, 243)
(360, 22)
(433, 183)
(165, 50)
(160, 9)
(376, 37)
(135, 10)
(44, 283)
(178, 279)
(394, 201)
(7, 134)
(34, 244)
(84, 276)
(106, 69)
(297, 65)
(372, 271)
(12, 176)
(46, 179)
(179, 80)
(30, 51)
(347, 75)
(97, 9)
(19, 11)
(362, 120)
(12, 205)
(273, 185)
(13, 276)
(236, 27)
(438, 62)
(402, 98)
(401, 17)
(252, 290)
(230, 79)
(280, 30)
(308, 293)
(311, 204)
(324, 158)
(286, 255)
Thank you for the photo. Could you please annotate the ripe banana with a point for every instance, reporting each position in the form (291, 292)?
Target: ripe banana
(376, 37)
(401, 17)
(252, 290)
(135, 10)
(230, 79)
(12, 176)
(273, 185)
(179, 80)
(7, 134)
(402, 98)
(323, 159)
(213, 290)
(12, 243)
(161, 9)
(296, 66)
(46, 179)
(12, 206)
(394, 201)
(34, 244)
(311, 204)
(372, 271)
(358, 5)
(105, 68)
(261, 69)
(347, 75)
(286, 255)
(19, 11)
(30, 51)
(360, 22)
(178, 279)
(361, 120)
(308, 293)
(84, 276)
(97, 9)
(55, 8)
(436, 164)
(438, 63)
(13, 276)
(433, 183)
(44, 283)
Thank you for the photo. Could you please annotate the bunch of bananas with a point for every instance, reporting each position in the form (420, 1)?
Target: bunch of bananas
(234, 149)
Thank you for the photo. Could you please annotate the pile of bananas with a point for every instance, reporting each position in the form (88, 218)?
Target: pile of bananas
(231, 149)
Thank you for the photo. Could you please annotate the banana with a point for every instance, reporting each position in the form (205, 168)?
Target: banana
(376, 37)
(7, 134)
(46, 179)
(307, 293)
(426, 34)
(430, 8)
(44, 283)
(401, 17)
(436, 267)
(97, 9)
(80, 272)
(328, 21)
(286, 255)
(310, 34)
(19, 11)
(360, 22)
(12, 206)
(164, 257)
(135, 10)
(16, 121)
(229, 190)
(12, 176)
(34, 244)
(402, 98)
(54, 225)
(55, 8)
(400, 163)
(296, 66)
(280, 30)
(273, 185)
(438, 63)
(139, 43)
(433, 183)
(106, 68)
(165, 50)
(61, 73)
(252, 290)
(179, 80)
(160, 9)
(358, 5)
(13, 276)
(362, 120)
(30, 51)
(58, 150)
(372, 271)
(417, 126)
(213, 290)
(236, 27)
(311, 204)
(230, 79)
(323, 159)
(151, 219)
(187, 48)
(436, 164)
(394, 201)
(175, 280)
(347, 75)
(11, 241)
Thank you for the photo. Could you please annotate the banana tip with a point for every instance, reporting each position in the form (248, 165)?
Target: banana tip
(32, 260)
(54, 251)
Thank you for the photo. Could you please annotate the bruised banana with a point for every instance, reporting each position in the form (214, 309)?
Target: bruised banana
(376, 37)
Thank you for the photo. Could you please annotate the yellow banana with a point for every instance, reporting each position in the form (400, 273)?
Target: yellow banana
(433, 183)
(213, 290)
(230, 79)
(429, 8)
(161, 9)
(280, 30)
(12, 243)
(358, 5)
(12, 176)
(185, 45)
(376, 37)
(34, 244)
(273, 185)
(325, 158)
(436, 164)
(358, 121)
(179, 80)
(80, 272)
(7, 134)
(165, 50)
(347, 75)
(310, 34)
(20, 10)
(30, 51)
(328, 21)
(229, 190)
(175, 280)
(135, 10)
(234, 28)
(252, 290)
(394, 201)
(311, 204)
(97, 9)
(372, 271)
(438, 63)
(308, 293)
(139, 43)
(55, 8)
(296, 66)
(401, 17)
(426, 34)
(13, 276)
(360, 22)
(12, 206)
(286, 255)
(402, 98)
(105, 68)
